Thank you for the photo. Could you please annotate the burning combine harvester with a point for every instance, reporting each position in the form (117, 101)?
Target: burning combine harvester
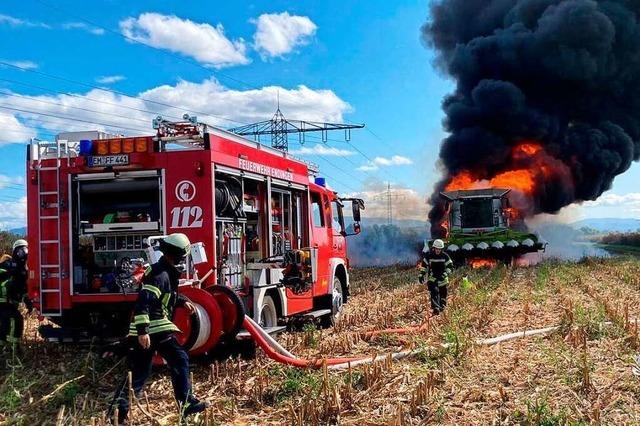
(481, 228)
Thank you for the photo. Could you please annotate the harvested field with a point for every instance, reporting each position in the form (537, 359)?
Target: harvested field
(579, 374)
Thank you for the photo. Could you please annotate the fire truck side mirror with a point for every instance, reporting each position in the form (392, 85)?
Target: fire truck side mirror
(356, 206)
(357, 228)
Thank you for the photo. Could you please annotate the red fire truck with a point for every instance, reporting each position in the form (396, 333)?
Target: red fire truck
(269, 233)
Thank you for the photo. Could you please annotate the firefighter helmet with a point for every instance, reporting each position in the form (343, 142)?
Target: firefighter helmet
(438, 244)
(20, 243)
(176, 244)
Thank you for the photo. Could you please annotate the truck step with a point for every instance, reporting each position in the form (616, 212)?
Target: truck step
(244, 334)
(318, 313)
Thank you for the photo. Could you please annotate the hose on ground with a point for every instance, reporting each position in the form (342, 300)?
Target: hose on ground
(276, 352)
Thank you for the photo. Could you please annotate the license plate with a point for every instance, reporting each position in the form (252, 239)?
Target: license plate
(108, 160)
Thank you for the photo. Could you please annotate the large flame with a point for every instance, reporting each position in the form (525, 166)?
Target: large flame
(522, 177)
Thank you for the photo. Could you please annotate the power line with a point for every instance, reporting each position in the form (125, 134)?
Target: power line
(72, 107)
(93, 86)
(114, 126)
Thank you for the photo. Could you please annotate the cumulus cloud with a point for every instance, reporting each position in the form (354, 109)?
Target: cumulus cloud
(13, 130)
(396, 160)
(13, 214)
(84, 27)
(109, 79)
(214, 103)
(18, 22)
(321, 150)
(280, 33)
(203, 42)
(629, 202)
(25, 65)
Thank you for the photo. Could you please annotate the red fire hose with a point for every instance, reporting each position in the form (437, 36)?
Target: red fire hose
(295, 362)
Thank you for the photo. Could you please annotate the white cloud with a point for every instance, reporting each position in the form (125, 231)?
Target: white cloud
(109, 79)
(321, 150)
(13, 214)
(205, 43)
(396, 160)
(208, 97)
(13, 131)
(17, 22)
(630, 200)
(279, 33)
(82, 26)
(27, 65)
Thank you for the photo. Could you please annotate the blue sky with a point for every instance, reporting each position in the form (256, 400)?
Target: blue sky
(328, 60)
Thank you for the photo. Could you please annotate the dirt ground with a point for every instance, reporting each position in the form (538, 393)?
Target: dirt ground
(579, 374)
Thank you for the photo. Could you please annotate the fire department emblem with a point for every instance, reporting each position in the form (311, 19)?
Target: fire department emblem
(185, 191)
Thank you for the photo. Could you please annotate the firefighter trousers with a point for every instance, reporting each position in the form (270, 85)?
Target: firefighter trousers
(11, 323)
(438, 293)
(140, 361)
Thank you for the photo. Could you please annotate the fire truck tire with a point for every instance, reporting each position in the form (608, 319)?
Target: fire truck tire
(268, 313)
(232, 310)
(337, 303)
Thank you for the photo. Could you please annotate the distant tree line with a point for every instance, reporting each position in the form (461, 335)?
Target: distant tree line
(622, 238)
(6, 241)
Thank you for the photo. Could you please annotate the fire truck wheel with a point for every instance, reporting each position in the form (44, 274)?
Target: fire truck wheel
(268, 313)
(232, 309)
(337, 303)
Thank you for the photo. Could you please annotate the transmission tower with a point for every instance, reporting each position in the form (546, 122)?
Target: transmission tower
(280, 128)
(389, 196)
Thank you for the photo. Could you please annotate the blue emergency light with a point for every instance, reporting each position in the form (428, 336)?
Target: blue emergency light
(321, 181)
(86, 147)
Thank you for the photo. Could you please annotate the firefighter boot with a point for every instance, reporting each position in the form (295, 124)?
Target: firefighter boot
(194, 407)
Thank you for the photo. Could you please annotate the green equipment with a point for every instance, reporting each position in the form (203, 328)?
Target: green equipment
(481, 224)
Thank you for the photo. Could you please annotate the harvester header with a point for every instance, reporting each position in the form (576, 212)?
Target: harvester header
(481, 224)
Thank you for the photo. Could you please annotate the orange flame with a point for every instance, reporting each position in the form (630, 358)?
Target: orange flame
(482, 263)
(518, 178)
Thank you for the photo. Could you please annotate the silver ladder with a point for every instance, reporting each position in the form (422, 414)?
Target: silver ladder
(50, 273)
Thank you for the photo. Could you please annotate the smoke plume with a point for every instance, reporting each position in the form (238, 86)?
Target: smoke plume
(561, 74)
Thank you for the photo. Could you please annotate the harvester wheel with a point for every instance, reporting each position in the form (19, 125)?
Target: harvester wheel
(268, 313)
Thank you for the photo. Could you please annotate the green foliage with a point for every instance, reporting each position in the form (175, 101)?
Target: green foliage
(540, 414)
(298, 381)
(6, 241)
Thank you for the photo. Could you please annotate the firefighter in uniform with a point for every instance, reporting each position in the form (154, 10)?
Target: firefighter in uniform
(152, 329)
(436, 266)
(13, 291)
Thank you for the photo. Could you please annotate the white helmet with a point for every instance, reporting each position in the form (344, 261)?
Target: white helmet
(439, 244)
(19, 243)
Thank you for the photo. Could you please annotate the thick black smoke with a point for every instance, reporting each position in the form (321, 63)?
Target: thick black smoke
(565, 73)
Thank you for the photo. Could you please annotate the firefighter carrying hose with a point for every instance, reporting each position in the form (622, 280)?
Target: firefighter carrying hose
(436, 266)
(13, 291)
(152, 329)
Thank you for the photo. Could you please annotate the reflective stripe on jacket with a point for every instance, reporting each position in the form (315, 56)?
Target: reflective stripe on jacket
(437, 266)
(157, 300)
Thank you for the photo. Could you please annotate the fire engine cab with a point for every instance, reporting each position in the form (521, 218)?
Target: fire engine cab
(269, 233)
